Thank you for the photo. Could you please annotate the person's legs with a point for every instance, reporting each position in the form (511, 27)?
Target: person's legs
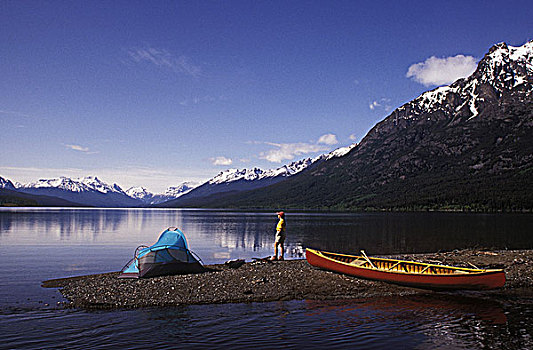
(275, 257)
(281, 242)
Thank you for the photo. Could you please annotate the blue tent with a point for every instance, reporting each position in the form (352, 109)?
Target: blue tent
(170, 255)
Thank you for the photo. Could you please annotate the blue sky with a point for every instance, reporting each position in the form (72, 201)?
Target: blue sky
(157, 93)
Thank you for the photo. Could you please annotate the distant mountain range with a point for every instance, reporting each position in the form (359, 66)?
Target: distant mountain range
(91, 191)
(237, 181)
(466, 146)
(87, 191)
(148, 198)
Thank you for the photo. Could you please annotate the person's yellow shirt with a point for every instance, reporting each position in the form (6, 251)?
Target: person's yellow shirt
(281, 225)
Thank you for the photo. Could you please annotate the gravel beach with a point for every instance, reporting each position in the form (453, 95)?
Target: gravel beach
(262, 281)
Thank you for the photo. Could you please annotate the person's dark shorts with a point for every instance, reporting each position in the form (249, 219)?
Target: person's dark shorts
(280, 237)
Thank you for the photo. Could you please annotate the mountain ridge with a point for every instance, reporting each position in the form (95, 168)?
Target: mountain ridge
(466, 146)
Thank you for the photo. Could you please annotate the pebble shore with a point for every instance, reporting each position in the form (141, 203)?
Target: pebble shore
(263, 281)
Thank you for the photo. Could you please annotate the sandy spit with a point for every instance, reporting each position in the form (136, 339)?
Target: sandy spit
(262, 281)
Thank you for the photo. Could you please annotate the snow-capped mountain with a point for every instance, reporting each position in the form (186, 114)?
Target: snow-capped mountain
(504, 68)
(91, 191)
(140, 193)
(7, 184)
(84, 184)
(293, 168)
(180, 190)
(339, 152)
(88, 190)
(237, 180)
(150, 198)
(255, 174)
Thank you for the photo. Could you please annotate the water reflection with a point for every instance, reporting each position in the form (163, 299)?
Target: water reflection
(439, 305)
(391, 233)
(447, 320)
(227, 232)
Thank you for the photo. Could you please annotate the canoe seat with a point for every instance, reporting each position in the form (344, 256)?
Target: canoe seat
(358, 262)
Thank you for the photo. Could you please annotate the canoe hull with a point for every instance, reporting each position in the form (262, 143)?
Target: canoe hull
(487, 279)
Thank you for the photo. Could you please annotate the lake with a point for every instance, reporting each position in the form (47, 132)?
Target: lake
(37, 244)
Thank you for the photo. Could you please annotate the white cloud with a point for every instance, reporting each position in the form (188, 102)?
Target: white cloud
(328, 139)
(353, 137)
(384, 103)
(288, 151)
(79, 148)
(221, 161)
(442, 71)
(164, 59)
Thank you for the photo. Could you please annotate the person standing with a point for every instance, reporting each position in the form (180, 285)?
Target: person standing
(280, 237)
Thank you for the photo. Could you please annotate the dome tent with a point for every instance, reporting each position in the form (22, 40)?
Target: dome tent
(170, 255)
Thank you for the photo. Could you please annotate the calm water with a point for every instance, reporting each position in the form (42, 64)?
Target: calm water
(40, 244)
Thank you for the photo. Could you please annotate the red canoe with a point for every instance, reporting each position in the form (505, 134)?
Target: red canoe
(407, 273)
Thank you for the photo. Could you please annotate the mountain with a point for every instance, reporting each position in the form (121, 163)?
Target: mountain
(466, 146)
(7, 184)
(88, 190)
(149, 198)
(234, 180)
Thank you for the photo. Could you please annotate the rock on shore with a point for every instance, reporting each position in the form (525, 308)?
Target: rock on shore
(262, 281)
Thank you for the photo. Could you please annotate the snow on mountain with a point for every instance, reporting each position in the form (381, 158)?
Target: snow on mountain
(96, 184)
(6, 184)
(291, 169)
(231, 175)
(173, 192)
(85, 184)
(180, 190)
(339, 152)
(87, 190)
(236, 180)
(140, 193)
(502, 69)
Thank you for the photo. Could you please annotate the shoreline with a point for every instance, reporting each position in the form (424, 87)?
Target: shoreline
(265, 281)
(443, 209)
